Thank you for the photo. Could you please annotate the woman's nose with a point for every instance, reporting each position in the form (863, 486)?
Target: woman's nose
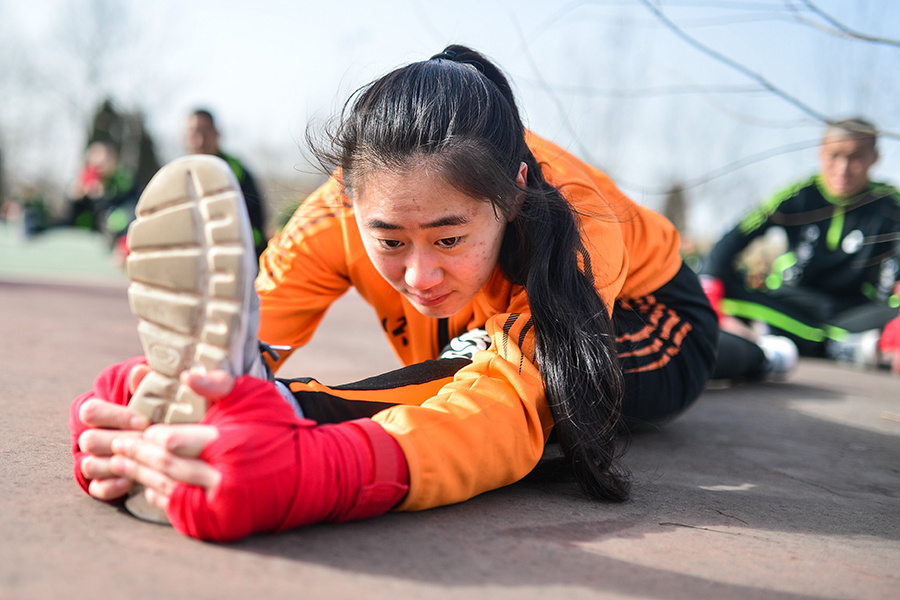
(423, 271)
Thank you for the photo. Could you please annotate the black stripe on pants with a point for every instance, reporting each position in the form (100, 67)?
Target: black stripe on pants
(666, 341)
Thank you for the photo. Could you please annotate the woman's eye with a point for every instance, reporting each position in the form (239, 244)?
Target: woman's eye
(448, 242)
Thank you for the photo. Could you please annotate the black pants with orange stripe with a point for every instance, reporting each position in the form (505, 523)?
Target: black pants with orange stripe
(667, 348)
(667, 344)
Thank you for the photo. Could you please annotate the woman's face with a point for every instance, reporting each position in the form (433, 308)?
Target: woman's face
(432, 243)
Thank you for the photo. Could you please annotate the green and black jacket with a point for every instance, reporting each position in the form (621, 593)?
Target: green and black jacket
(847, 246)
(253, 199)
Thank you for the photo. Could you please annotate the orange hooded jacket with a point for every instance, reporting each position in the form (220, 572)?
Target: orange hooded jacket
(486, 426)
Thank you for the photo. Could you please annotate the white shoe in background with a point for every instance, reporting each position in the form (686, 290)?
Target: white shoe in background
(860, 349)
(781, 355)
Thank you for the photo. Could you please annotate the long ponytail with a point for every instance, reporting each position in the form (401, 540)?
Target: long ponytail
(460, 108)
(575, 337)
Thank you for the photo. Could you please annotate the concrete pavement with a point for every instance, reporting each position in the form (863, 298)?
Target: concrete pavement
(769, 491)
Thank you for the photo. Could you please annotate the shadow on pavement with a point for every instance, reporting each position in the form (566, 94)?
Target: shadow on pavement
(763, 491)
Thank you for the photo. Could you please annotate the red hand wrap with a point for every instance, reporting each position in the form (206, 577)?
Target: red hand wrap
(280, 472)
(110, 385)
(715, 292)
(890, 337)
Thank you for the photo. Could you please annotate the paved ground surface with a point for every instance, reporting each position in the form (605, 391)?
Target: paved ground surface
(771, 491)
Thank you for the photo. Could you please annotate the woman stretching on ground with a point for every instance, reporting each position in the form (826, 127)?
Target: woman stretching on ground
(526, 294)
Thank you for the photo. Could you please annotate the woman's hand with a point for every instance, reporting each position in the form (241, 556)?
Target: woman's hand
(102, 421)
(237, 472)
(166, 455)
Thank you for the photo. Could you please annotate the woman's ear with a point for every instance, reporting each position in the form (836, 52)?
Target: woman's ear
(521, 178)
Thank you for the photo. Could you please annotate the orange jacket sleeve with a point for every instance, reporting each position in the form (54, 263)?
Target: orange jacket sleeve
(303, 271)
(484, 430)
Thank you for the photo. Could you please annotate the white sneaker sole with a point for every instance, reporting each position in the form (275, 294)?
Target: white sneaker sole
(191, 266)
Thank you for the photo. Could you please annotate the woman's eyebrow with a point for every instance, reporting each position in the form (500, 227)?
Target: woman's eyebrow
(379, 224)
(448, 221)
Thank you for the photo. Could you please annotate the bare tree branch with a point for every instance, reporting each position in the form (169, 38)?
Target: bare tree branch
(727, 4)
(726, 169)
(733, 64)
(735, 19)
(846, 31)
(585, 153)
(706, 91)
(664, 90)
(747, 72)
(797, 16)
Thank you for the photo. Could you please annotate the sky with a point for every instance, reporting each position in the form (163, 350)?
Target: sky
(606, 79)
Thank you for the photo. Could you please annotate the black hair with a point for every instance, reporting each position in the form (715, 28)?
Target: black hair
(202, 112)
(456, 113)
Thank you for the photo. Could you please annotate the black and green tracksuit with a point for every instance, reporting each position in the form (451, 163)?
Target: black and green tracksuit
(253, 199)
(838, 274)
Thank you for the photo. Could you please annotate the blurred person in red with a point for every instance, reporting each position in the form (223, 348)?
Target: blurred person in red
(102, 197)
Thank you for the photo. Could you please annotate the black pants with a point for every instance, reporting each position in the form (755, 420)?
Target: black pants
(739, 358)
(809, 317)
(667, 347)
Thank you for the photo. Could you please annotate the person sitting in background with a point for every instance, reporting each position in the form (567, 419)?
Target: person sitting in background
(835, 288)
(202, 137)
(100, 186)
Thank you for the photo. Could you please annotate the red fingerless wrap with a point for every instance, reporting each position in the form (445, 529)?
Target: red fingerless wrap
(890, 337)
(110, 385)
(281, 472)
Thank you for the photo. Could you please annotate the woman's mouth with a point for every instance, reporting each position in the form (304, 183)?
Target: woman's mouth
(433, 300)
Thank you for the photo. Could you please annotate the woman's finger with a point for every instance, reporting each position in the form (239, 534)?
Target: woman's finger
(156, 499)
(213, 386)
(99, 441)
(100, 413)
(93, 467)
(138, 372)
(187, 441)
(155, 467)
(110, 488)
(139, 473)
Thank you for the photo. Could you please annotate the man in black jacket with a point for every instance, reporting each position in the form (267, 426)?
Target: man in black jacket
(835, 289)
(202, 137)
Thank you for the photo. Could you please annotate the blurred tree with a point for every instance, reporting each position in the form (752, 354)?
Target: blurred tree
(2, 176)
(127, 133)
(675, 207)
(51, 88)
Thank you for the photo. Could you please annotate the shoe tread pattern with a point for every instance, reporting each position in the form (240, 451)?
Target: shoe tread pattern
(187, 266)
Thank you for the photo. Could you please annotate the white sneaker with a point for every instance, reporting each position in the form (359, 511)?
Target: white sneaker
(860, 349)
(781, 355)
(191, 264)
(467, 345)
